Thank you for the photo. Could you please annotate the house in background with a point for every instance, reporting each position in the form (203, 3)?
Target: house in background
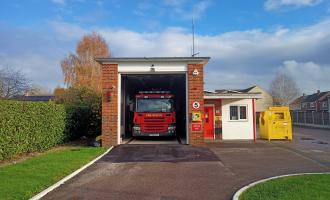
(296, 104)
(262, 103)
(318, 101)
(35, 97)
(312, 110)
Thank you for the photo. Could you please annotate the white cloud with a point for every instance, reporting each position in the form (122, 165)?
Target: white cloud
(277, 4)
(59, 2)
(309, 75)
(238, 59)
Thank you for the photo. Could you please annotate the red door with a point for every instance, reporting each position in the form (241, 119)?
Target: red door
(208, 122)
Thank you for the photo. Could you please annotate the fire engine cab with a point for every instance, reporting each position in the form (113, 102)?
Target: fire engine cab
(154, 114)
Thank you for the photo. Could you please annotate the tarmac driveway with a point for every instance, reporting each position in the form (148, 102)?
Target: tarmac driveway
(214, 171)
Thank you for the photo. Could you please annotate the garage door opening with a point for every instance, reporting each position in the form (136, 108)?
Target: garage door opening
(171, 84)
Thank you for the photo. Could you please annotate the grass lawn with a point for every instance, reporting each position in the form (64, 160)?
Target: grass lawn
(304, 187)
(29, 177)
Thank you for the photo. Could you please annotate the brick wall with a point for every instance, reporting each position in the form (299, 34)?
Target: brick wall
(109, 109)
(195, 93)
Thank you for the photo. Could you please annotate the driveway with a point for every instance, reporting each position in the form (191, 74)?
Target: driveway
(213, 171)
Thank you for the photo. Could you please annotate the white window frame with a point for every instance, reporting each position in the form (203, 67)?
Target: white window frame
(304, 105)
(239, 113)
(312, 104)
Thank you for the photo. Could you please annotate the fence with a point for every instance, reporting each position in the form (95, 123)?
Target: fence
(311, 118)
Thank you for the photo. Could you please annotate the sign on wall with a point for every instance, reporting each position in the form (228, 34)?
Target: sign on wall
(217, 118)
(196, 116)
(196, 126)
(196, 105)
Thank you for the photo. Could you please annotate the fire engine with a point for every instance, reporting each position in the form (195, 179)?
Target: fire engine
(154, 114)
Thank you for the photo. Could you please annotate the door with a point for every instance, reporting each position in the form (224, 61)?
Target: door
(279, 125)
(208, 122)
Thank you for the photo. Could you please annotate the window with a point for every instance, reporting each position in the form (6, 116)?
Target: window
(238, 113)
(242, 112)
(304, 105)
(312, 104)
(324, 104)
(155, 105)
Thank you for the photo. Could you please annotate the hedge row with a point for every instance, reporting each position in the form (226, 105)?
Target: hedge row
(36, 126)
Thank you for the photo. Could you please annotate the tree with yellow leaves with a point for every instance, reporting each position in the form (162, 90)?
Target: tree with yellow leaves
(80, 69)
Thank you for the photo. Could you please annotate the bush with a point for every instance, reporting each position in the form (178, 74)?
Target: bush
(84, 108)
(31, 126)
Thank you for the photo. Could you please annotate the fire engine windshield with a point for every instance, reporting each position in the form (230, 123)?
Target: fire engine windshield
(154, 105)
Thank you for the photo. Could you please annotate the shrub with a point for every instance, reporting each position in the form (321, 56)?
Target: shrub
(31, 126)
(84, 107)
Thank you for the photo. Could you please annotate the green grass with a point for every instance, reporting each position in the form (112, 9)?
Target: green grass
(304, 187)
(27, 178)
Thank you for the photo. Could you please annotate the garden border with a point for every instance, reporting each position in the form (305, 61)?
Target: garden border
(243, 189)
(63, 180)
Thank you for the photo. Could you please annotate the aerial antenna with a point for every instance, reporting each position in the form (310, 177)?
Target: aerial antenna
(193, 54)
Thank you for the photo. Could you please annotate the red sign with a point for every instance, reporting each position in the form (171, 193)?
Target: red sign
(196, 126)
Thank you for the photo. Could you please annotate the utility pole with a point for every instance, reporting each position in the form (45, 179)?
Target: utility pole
(329, 109)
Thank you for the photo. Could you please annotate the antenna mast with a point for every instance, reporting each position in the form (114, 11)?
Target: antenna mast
(193, 54)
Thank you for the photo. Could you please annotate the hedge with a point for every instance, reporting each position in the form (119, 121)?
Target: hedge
(36, 126)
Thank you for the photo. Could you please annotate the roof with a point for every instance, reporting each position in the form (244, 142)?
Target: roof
(230, 94)
(36, 98)
(194, 60)
(316, 96)
(247, 89)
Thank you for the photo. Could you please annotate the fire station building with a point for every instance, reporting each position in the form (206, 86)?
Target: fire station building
(201, 116)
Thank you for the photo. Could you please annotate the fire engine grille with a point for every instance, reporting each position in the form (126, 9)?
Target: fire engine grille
(154, 120)
(154, 128)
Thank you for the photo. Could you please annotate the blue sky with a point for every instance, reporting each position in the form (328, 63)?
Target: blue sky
(248, 41)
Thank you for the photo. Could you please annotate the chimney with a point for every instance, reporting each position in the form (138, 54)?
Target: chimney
(303, 94)
(318, 91)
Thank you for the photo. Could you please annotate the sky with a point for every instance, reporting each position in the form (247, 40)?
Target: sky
(248, 41)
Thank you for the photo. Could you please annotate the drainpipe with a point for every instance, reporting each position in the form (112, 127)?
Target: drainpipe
(254, 122)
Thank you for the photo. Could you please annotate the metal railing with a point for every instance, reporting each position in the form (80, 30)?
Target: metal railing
(318, 119)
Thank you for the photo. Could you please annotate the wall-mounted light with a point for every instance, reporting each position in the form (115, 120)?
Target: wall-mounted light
(108, 95)
(152, 68)
(195, 72)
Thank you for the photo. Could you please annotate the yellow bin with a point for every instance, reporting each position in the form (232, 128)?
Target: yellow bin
(275, 124)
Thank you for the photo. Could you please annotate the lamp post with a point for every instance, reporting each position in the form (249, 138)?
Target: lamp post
(329, 109)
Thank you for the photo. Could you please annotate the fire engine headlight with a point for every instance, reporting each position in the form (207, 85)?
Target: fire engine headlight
(136, 128)
(171, 128)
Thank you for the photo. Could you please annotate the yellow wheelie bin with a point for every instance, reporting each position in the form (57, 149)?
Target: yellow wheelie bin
(275, 124)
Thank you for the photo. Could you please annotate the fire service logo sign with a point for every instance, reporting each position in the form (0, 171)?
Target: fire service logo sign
(196, 116)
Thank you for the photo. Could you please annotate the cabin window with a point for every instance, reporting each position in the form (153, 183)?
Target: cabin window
(238, 112)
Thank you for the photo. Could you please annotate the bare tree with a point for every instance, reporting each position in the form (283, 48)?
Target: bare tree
(284, 89)
(12, 83)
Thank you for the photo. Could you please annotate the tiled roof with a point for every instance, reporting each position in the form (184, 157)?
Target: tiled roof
(314, 97)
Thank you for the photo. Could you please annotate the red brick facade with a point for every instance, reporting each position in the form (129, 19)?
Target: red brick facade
(195, 93)
(110, 115)
(109, 104)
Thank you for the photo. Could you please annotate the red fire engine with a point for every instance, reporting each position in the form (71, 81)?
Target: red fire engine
(154, 114)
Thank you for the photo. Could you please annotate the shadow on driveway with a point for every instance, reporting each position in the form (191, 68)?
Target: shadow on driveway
(159, 153)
